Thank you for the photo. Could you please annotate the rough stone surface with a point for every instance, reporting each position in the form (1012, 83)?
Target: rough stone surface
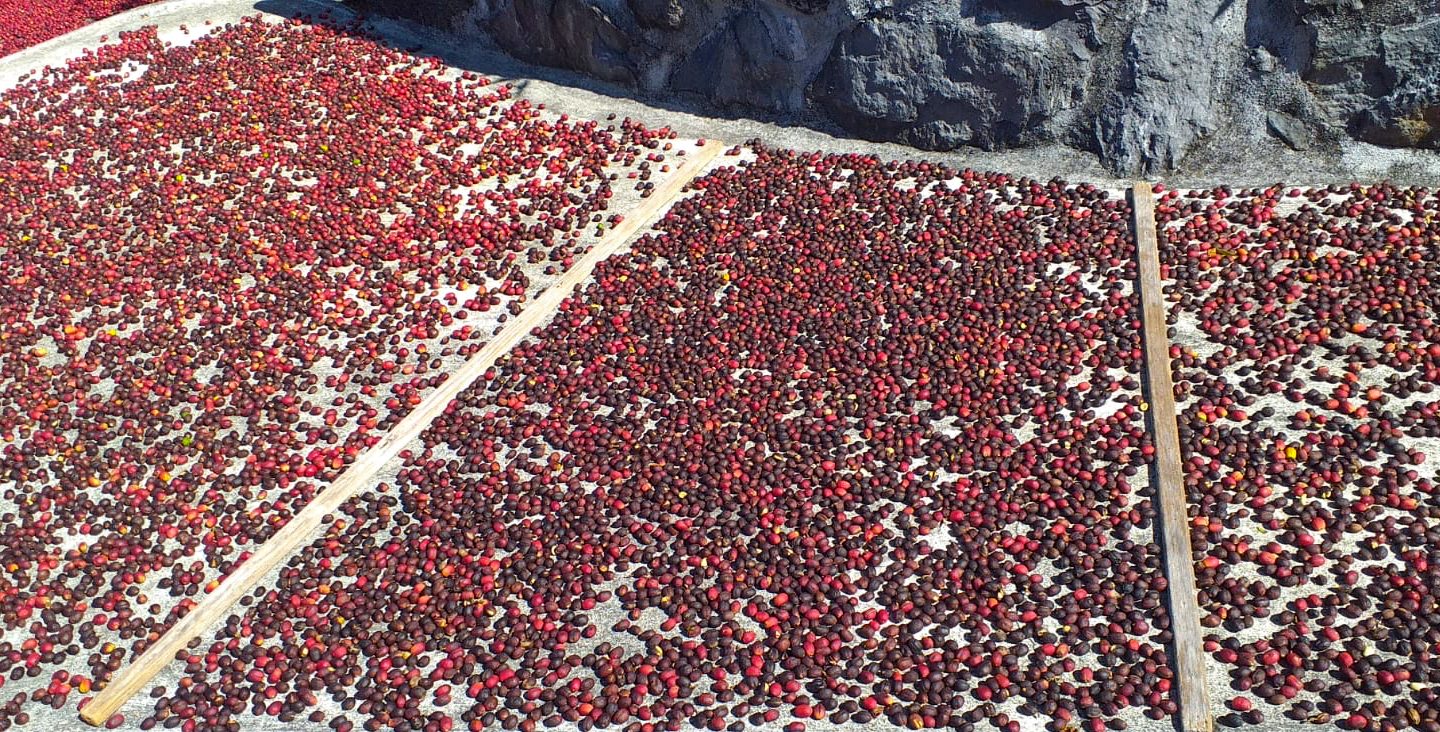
(935, 80)
(1291, 131)
(663, 14)
(1142, 83)
(1409, 115)
(1179, 57)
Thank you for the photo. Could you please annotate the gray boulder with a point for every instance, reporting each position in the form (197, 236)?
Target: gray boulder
(760, 59)
(1180, 57)
(1290, 130)
(1409, 113)
(573, 34)
(939, 79)
(1376, 72)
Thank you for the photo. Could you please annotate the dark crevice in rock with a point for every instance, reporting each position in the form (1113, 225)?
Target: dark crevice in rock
(1029, 14)
(809, 7)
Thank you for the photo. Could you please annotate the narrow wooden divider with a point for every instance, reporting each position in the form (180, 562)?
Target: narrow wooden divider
(299, 531)
(1192, 691)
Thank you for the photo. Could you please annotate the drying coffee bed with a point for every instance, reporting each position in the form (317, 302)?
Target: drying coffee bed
(229, 268)
(839, 442)
(24, 23)
(1306, 358)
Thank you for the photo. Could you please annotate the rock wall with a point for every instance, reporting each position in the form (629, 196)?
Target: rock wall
(1139, 82)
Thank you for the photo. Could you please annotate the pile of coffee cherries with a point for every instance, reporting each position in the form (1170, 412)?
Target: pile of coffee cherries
(1306, 351)
(24, 23)
(229, 267)
(840, 441)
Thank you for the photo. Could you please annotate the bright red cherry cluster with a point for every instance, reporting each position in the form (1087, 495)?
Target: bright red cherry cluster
(229, 267)
(1307, 352)
(840, 441)
(24, 23)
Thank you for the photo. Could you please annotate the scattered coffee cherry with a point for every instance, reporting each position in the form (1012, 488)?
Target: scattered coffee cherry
(1306, 354)
(229, 267)
(838, 441)
(24, 23)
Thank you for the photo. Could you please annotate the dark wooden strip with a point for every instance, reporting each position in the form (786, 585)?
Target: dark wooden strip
(1188, 659)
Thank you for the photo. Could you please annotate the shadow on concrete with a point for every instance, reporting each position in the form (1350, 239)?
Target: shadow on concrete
(482, 56)
(688, 115)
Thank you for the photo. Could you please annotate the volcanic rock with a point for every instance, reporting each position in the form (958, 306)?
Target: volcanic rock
(1140, 84)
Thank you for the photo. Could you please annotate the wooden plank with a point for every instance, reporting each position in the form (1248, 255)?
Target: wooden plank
(216, 606)
(1192, 690)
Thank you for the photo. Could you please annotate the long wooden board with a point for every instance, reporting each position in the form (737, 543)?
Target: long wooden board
(1192, 691)
(360, 475)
